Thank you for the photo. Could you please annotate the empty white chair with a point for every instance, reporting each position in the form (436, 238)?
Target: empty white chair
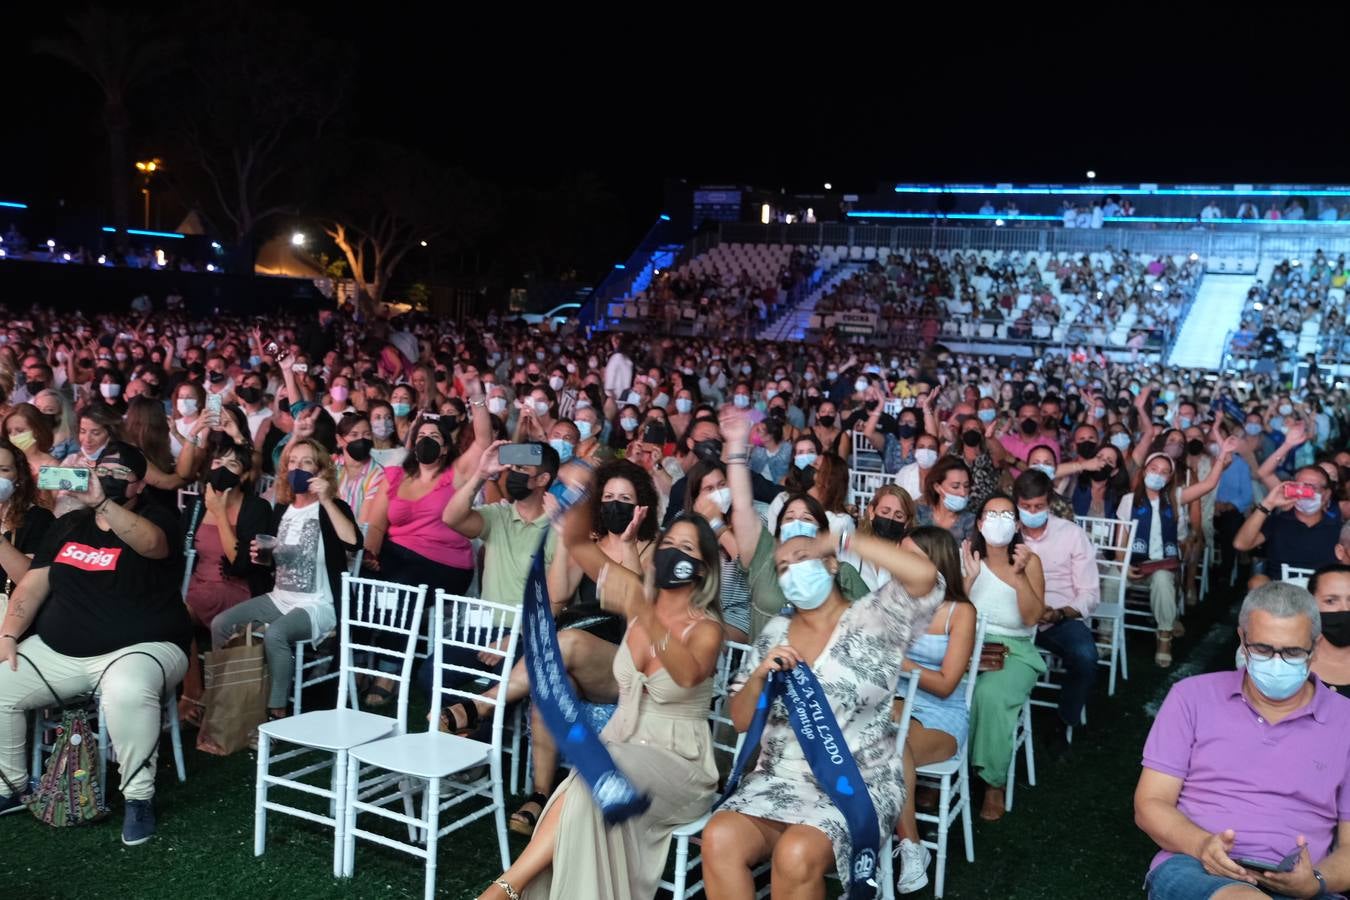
(378, 607)
(320, 666)
(429, 758)
(1295, 575)
(1112, 538)
(1021, 740)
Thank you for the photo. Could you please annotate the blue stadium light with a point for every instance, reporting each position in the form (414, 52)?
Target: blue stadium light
(665, 218)
(143, 233)
(1121, 191)
(855, 214)
(620, 266)
(13, 204)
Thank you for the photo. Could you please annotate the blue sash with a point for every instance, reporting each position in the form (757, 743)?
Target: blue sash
(831, 762)
(552, 694)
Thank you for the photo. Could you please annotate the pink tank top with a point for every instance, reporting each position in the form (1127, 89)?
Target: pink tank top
(416, 524)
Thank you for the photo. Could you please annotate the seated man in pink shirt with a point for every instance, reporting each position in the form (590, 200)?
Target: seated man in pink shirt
(1072, 592)
(1248, 772)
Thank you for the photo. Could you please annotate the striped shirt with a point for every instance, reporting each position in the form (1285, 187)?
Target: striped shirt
(356, 486)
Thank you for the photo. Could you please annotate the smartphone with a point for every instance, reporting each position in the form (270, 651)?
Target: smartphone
(1258, 865)
(654, 433)
(1296, 491)
(521, 455)
(213, 404)
(62, 478)
(271, 348)
(300, 368)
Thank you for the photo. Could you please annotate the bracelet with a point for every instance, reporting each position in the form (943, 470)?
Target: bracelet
(736, 457)
(716, 525)
(477, 402)
(1269, 512)
(99, 507)
(10, 636)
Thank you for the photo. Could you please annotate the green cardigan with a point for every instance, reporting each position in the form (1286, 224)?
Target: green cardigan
(766, 597)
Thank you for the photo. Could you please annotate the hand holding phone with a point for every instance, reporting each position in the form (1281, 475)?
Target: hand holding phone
(63, 478)
(1293, 490)
(1258, 865)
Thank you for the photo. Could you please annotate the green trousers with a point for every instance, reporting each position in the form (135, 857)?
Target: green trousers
(997, 703)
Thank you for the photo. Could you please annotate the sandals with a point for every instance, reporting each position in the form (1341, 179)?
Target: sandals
(382, 697)
(523, 820)
(471, 718)
(1162, 656)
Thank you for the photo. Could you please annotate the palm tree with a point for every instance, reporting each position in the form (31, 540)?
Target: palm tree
(119, 52)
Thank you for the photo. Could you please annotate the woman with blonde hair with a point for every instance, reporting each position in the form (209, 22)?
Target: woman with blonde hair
(889, 515)
(314, 531)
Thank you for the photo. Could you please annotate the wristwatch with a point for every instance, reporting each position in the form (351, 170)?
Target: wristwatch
(1321, 883)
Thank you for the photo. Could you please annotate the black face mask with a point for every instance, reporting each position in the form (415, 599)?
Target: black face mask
(616, 515)
(427, 450)
(518, 485)
(1028, 426)
(806, 477)
(871, 405)
(1050, 424)
(825, 421)
(971, 438)
(1195, 447)
(115, 489)
(777, 412)
(249, 394)
(451, 422)
(888, 529)
(907, 430)
(675, 568)
(1102, 475)
(36, 387)
(222, 479)
(359, 450)
(709, 451)
(216, 377)
(1336, 628)
(1087, 449)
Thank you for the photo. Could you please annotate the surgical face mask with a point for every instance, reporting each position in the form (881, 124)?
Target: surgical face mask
(556, 382)
(1033, 519)
(24, 440)
(926, 457)
(1175, 451)
(187, 406)
(1253, 428)
(1169, 397)
(683, 405)
(742, 401)
(806, 584)
(661, 401)
(1275, 678)
(402, 409)
(339, 393)
(6, 489)
(1121, 441)
(1285, 409)
(540, 408)
(383, 429)
(563, 447)
(1155, 482)
(1099, 412)
(747, 369)
(831, 375)
(633, 399)
(804, 460)
(998, 531)
(628, 423)
(1183, 422)
(110, 390)
(539, 355)
(798, 528)
(584, 429)
(860, 385)
(722, 497)
(495, 405)
(1048, 469)
(954, 502)
(1309, 505)
(987, 415)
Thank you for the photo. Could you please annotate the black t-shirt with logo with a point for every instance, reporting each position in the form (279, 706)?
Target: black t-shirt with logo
(104, 596)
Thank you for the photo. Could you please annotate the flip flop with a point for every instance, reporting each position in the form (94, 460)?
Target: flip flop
(471, 718)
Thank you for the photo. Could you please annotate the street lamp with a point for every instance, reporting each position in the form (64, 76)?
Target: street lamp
(148, 168)
(298, 239)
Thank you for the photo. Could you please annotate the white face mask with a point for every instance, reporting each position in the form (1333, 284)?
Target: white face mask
(496, 405)
(722, 497)
(110, 390)
(925, 457)
(540, 408)
(187, 406)
(998, 532)
(584, 429)
(556, 383)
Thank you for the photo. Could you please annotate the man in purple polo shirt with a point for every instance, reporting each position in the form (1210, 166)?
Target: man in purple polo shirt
(1243, 769)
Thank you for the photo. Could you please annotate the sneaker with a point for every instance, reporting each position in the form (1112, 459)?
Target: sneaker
(14, 803)
(139, 824)
(914, 860)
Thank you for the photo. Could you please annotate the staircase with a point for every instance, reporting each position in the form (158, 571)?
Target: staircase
(1217, 310)
(792, 325)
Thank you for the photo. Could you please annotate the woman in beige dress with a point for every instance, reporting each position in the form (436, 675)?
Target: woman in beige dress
(659, 736)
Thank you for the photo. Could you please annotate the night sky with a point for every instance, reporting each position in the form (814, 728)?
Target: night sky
(722, 102)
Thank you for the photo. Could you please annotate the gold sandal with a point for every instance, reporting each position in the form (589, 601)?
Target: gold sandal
(511, 893)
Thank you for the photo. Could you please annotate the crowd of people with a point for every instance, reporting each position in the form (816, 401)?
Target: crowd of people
(1278, 309)
(1085, 299)
(15, 245)
(722, 506)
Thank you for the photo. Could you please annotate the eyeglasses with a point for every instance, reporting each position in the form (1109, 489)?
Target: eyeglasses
(1264, 652)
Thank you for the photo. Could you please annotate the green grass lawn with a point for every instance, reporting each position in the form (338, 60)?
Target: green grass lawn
(1071, 836)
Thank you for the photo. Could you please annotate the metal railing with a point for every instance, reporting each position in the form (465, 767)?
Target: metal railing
(1208, 242)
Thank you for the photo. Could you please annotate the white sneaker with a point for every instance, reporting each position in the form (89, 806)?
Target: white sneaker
(914, 860)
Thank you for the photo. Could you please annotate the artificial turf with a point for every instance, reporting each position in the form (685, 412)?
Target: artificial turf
(1071, 836)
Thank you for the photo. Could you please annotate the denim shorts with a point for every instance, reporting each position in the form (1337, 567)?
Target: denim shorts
(1184, 878)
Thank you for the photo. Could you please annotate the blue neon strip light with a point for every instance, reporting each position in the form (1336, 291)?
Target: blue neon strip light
(144, 233)
(1133, 192)
(665, 218)
(13, 205)
(1122, 220)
